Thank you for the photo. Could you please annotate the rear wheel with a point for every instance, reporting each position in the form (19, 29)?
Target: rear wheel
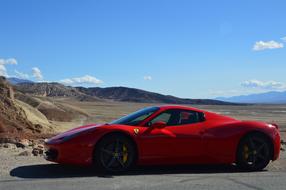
(254, 152)
(115, 153)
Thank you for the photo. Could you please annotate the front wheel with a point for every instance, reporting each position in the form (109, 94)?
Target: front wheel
(115, 153)
(254, 153)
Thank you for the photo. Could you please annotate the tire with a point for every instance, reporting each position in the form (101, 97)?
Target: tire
(114, 153)
(254, 152)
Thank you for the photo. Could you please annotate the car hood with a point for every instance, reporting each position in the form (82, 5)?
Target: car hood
(85, 127)
(75, 131)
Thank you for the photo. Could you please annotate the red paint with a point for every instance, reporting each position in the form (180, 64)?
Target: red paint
(214, 140)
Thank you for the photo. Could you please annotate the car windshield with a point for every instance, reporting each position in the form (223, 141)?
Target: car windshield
(136, 117)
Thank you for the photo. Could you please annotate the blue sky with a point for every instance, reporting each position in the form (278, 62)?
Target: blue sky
(192, 48)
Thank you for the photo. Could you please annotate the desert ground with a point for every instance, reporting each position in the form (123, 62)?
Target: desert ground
(102, 112)
(31, 172)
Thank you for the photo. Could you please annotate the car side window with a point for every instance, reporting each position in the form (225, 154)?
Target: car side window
(136, 121)
(188, 117)
(177, 117)
(164, 117)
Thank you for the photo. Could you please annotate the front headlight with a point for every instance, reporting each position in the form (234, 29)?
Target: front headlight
(66, 137)
(63, 137)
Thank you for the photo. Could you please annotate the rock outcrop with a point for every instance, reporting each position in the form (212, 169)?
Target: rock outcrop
(13, 120)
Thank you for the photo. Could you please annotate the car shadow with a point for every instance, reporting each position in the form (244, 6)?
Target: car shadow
(61, 171)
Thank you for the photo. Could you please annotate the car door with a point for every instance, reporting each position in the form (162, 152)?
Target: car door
(154, 142)
(179, 141)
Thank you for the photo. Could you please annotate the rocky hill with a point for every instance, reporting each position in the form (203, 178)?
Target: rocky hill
(14, 80)
(50, 108)
(13, 119)
(47, 89)
(137, 95)
(24, 115)
(112, 93)
(52, 90)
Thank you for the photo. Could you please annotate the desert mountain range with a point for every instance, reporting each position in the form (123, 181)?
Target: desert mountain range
(272, 97)
(124, 94)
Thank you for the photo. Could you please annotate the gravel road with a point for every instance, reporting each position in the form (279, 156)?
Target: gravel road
(32, 173)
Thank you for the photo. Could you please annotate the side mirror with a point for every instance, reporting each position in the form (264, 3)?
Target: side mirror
(159, 125)
(202, 116)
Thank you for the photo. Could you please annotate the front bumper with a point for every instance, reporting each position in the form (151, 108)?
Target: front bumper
(75, 154)
(51, 154)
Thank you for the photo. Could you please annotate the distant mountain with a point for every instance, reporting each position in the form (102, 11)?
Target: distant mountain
(14, 80)
(137, 95)
(263, 98)
(112, 93)
(52, 90)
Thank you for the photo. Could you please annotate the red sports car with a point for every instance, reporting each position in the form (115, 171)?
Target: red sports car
(168, 135)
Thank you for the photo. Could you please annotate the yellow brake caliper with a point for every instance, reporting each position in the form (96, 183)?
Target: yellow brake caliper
(245, 152)
(125, 153)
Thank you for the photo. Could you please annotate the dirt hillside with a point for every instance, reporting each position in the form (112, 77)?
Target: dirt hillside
(14, 123)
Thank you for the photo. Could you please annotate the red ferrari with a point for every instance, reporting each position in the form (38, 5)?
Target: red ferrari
(168, 135)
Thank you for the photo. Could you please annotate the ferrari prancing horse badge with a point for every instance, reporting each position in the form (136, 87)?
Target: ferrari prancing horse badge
(136, 131)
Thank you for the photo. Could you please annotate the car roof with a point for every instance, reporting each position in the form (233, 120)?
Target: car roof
(167, 107)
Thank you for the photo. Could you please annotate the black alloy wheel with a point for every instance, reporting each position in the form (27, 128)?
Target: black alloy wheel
(115, 153)
(254, 153)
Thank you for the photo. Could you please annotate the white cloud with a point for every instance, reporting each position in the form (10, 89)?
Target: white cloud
(3, 71)
(147, 78)
(37, 73)
(284, 39)
(267, 85)
(67, 81)
(87, 79)
(21, 75)
(3, 62)
(11, 61)
(261, 45)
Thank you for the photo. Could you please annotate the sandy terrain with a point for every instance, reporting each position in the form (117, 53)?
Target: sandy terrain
(33, 172)
(102, 112)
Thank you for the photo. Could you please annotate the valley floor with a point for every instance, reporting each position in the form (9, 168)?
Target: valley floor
(102, 112)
